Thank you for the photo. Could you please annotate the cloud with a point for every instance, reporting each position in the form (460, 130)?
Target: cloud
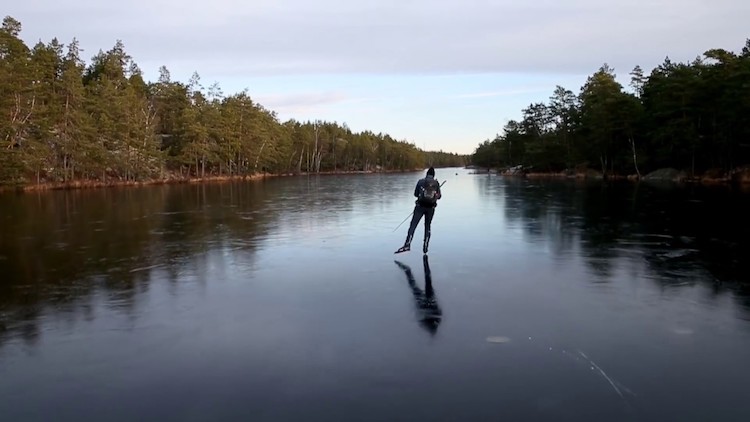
(503, 93)
(306, 103)
(301, 99)
(265, 37)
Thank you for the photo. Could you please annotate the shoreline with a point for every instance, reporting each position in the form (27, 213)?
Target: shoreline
(98, 184)
(713, 181)
(741, 178)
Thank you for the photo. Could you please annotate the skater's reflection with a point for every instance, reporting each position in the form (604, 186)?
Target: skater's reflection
(428, 310)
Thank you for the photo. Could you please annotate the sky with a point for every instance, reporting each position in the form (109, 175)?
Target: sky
(441, 74)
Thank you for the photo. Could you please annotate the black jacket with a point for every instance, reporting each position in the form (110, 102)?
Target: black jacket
(420, 186)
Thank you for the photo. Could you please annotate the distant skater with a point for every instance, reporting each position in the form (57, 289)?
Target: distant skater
(427, 193)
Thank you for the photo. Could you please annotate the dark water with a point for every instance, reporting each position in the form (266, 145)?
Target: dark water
(281, 300)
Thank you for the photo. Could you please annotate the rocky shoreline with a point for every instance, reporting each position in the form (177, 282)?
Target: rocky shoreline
(175, 179)
(739, 176)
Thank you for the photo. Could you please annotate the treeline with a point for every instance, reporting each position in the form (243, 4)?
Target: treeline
(63, 120)
(692, 116)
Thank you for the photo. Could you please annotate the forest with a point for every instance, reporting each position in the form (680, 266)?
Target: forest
(692, 117)
(65, 121)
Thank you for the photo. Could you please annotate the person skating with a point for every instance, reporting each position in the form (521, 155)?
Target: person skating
(427, 193)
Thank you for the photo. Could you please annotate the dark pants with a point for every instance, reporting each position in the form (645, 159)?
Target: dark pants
(419, 211)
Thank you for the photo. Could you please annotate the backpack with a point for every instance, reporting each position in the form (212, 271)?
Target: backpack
(428, 195)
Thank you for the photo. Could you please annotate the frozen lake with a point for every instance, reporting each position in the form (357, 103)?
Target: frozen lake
(280, 300)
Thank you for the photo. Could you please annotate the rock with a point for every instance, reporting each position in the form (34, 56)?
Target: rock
(714, 174)
(741, 175)
(594, 174)
(513, 171)
(669, 174)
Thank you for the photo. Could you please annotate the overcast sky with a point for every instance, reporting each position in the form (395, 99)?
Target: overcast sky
(441, 74)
